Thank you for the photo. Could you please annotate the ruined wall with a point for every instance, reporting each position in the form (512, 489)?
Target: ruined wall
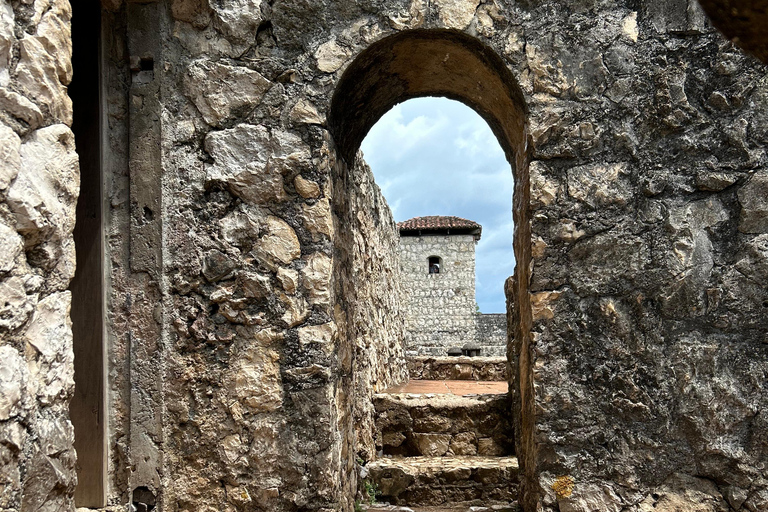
(648, 247)
(441, 307)
(39, 183)
(370, 289)
(648, 193)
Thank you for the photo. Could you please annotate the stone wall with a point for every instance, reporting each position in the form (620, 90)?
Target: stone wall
(369, 286)
(441, 307)
(39, 184)
(491, 333)
(639, 355)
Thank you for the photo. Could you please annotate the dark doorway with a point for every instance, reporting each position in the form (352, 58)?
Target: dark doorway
(88, 405)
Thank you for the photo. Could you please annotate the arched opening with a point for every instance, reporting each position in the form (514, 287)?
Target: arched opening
(454, 65)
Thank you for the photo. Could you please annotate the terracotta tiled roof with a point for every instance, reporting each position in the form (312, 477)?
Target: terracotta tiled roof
(440, 223)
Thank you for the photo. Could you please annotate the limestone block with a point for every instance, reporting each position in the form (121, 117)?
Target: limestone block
(12, 377)
(10, 158)
(242, 91)
(15, 307)
(464, 443)
(683, 492)
(599, 184)
(316, 278)
(306, 113)
(279, 245)
(11, 246)
(251, 162)
(196, 12)
(241, 227)
(288, 279)
(754, 263)
(544, 190)
(432, 445)
(38, 76)
(331, 56)
(7, 38)
(50, 333)
(317, 218)
(321, 335)
(20, 107)
(44, 194)
(255, 380)
(629, 26)
(456, 14)
(296, 310)
(238, 19)
(54, 34)
(589, 497)
(254, 285)
(306, 189)
(753, 197)
(714, 181)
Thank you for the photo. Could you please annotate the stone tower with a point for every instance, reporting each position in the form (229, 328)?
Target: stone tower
(437, 256)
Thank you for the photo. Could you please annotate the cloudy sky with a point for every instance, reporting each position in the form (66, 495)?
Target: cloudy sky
(434, 156)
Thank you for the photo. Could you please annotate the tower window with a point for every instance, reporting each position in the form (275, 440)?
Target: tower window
(434, 264)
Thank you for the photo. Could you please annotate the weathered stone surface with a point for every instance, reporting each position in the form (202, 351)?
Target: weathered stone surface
(256, 381)
(599, 185)
(203, 85)
(6, 41)
(12, 382)
(239, 20)
(279, 244)
(426, 481)
(649, 363)
(44, 193)
(18, 106)
(38, 76)
(317, 218)
(306, 188)
(753, 197)
(50, 333)
(305, 112)
(456, 14)
(331, 56)
(11, 245)
(15, 307)
(683, 492)
(316, 278)
(252, 163)
(10, 160)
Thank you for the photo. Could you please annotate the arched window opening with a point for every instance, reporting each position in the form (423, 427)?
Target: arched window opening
(434, 264)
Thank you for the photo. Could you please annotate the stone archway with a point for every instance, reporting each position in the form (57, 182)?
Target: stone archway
(452, 64)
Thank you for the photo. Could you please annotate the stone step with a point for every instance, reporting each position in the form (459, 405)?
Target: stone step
(458, 368)
(449, 507)
(433, 481)
(436, 425)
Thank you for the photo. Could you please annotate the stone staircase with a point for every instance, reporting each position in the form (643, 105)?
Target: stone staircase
(443, 451)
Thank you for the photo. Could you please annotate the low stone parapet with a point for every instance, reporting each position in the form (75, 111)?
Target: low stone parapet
(457, 368)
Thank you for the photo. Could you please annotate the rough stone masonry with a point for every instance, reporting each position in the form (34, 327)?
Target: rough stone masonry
(247, 316)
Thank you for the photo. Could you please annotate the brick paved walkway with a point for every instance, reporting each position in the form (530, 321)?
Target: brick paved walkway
(452, 387)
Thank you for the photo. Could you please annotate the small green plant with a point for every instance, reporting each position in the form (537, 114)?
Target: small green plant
(371, 492)
(360, 461)
(358, 506)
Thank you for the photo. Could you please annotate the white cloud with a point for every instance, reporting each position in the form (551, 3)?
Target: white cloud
(434, 156)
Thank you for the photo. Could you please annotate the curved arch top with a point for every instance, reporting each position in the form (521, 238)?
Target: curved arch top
(424, 62)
